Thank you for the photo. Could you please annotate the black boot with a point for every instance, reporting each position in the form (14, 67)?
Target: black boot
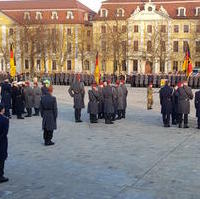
(3, 179)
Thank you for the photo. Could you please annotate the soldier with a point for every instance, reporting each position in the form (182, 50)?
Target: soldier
(115, 100)
(166, 93)
(174, 107)
(49, 112)
(4, 126)
(108, 103)
(93, 103)
(62, 77)
(197, 107)
(141, 80)
(13, 94)
(6, 97)
(37, 93)
(28, 93)
(77, 91)
(146, 80)
(137, 77)
(125, 94)
(101, 103)
(154, 80)
(149, 97)
(184, 94)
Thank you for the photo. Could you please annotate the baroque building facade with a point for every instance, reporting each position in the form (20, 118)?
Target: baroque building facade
(141, 36)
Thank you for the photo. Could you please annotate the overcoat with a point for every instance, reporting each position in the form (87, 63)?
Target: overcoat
(197, 103)
(4, 126)
(6, 91)
(120, 99)
(28, 93)
(37, 93)
(101, 103)
(77, 91)
(125, 94)
(93, 102)
(108, 100)
(184, 95)
(49, 112)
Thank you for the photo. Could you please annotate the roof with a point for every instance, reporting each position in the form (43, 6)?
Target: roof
(171, 6)
(15, 10)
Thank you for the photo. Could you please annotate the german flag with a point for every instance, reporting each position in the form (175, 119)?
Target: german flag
(12, 62)
(97, 70)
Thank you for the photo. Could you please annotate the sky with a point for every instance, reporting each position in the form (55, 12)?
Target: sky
(92, 4)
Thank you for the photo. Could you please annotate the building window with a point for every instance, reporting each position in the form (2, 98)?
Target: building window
(175, 46)
(38, 64)
(26, 64)
(136, 29)
(175, 65)
(88, 33)
(38, 16)
(69, 31)
(186, 28)
(86, 17)
(103, 29)
(70, 15)
(197, 13)
(163, 28)
(69, 47)
(120, 12)
(176, 28)
(38, 48)
(27, 16)
(162, 46)
(149, 46)
(198, 28)
(104, 13)
(197, 46)
(162, 67)
(11, 31)
(149, 28)
(135, 65)
(135, 45)
(69, 65)
(103, 45)
(115, 29)
(54, 66)
(197, 64)
(86, 65)
(123, 65)
(54, 15)
(181, 12)
(123, 28)
(88, 48)
(185, 46)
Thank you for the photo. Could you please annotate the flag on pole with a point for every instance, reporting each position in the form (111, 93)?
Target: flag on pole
(97, 70)
(12, 63)
(187, 65)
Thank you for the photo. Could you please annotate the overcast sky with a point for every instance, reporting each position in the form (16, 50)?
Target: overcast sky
(92, 4)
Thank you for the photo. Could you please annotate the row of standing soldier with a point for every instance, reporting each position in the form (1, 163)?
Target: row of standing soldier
(105, 101)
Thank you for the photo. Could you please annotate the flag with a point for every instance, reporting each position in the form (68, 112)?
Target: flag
(187, 64)
(12, 62)
(97, 70)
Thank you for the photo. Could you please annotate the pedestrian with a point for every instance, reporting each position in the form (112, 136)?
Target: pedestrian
(6, 93)
(49, 112)
(166, 93)
(184, 94)
(28, 93)
(93, 108)
(149, 97)
(37, 93)
(108, 102)
(4, 126)
(197, 107)
(77, 91)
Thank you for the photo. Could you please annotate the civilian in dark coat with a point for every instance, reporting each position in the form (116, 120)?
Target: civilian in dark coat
(108, 103)
(93, 108)
(4, 126)
(19, 102)
(77, 91)
(197, 106)
(174, 107)
(49, 112)
(6, 92)
(184, 94)
(13, 94)
(166, 103)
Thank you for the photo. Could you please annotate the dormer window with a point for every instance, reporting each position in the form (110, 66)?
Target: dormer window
(197, 13)
(120, 12)
(38, 15)
(54, 15)
(181, 12)
(104, 13)
(70, 15)
(27, 16)
(150, 9)
(86, 17)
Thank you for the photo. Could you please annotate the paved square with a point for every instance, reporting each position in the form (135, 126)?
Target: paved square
(135, 158)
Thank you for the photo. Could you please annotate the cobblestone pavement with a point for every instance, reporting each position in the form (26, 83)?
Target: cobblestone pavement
(135, 158)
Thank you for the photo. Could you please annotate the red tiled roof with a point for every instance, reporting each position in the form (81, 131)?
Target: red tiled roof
(15, 10)
(129, 6)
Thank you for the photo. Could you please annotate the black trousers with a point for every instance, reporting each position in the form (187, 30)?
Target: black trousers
(123, 113)
(93, 118)
(198, 121)
(77, 114)
(174, 118)
(183, 117)
(48, 135)
(2, 163)
(37, 111)
(7, 112)
(108, 117)
(29, 111)
(166, 119)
